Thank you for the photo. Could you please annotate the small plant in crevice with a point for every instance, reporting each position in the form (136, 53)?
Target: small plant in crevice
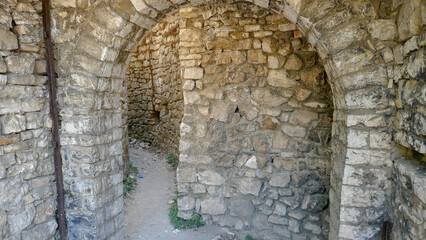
(172, 160)
(130, 182)
(248, 237)
(195, 221)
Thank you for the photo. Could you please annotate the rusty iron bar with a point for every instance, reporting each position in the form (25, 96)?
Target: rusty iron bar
(386, 230)
(61, 218)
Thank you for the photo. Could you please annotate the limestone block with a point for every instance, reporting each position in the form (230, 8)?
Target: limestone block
(42, 231)
(13, 123)
(186, 203)
(20, 218)
(358, 197)
(409, 19)
(294, 225)
(193, 73)
(371, 157)
(280, 141)
(210, 177)
(280, 209)
(357, 138)
(256, 56)
(3, 67)
(8, 40)
(266, 97)
(191, 97)
(280, 78)
(383, 29)
(302, 94)
(302, 117)
(369, 120)
(63, 4)
(195, 159)
(247, 185)
(275, 62)
(189, 35)
(213, 206)
(280, 180)
(380, 140)
(188, 85)
(23, 63)
(312, 227)
(256, 162)
(293, 63)
(222, 111)
(357, 176)
(294, 131)
(240, 207)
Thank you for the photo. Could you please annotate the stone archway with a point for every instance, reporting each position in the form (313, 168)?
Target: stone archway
(95, 42)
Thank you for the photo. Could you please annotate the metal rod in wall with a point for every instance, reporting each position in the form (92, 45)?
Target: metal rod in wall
(61, 218)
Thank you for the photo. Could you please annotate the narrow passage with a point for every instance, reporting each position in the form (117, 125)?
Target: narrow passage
(147, 207)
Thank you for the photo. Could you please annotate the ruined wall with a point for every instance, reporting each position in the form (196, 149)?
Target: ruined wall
(27, 189)
(255, 135)
(154, 87)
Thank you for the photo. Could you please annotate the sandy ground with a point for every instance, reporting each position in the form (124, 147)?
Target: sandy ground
(147, 208)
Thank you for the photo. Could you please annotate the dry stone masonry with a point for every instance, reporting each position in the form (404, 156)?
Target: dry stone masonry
(27, 189)
(254, 141)
(154, 87)
(259, 109)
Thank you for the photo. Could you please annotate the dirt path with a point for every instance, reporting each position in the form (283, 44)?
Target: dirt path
(147, 208)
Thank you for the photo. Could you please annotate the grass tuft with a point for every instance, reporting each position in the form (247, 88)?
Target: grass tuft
(248, 237)
(172, 160)
(195, 221)
(130, 182)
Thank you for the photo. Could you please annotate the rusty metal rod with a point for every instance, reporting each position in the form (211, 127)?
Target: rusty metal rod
(61, 218)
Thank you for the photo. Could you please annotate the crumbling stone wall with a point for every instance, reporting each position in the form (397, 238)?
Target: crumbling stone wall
(154, 87)
(27, 189)
(257, 127)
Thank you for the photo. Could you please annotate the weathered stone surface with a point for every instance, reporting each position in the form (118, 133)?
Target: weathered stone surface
(186, 203)
(247, 185)
(193, 73)
(8, 40)
(280, 78)
(20, 64)
(280, 180)
(210, 178)
(213, 206)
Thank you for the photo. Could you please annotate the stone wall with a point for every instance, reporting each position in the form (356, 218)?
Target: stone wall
(408, 199)
(255, 137)
(407, 58)
(154, 87)
(27, 189)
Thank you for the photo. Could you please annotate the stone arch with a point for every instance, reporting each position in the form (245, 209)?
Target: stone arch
(94, 53)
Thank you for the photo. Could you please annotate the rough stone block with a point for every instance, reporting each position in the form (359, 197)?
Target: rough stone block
(213, 206)
(210, 178)
(23, 63)
(8, 40)
(193, 73)
(247, 185)
(13, 124)
(280, 78)
(280, 180)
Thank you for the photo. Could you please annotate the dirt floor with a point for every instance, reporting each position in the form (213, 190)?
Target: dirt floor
(147, 208)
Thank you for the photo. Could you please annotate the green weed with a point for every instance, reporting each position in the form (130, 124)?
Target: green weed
(172, 160)
(130, 182)
(195, 221)
(248, 237)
